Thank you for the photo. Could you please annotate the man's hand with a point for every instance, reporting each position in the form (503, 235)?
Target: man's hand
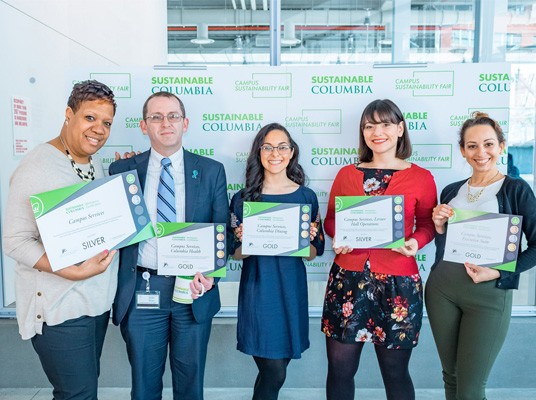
(200, 284)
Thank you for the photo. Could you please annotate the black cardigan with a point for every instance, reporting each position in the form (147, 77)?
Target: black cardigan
(514, 197)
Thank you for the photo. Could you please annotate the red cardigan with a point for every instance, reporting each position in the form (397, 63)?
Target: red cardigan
(420, 197)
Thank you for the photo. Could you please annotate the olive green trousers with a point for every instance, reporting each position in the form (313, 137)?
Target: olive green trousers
(469, 322)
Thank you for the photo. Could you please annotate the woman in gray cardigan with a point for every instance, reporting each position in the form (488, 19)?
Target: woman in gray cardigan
(469, 306)
(65, 313)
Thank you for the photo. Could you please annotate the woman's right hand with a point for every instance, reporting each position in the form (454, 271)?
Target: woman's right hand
(92, 266)
(440, 216)
(340, 249)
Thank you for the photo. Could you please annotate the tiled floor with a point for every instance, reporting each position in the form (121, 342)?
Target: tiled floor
(286, 394)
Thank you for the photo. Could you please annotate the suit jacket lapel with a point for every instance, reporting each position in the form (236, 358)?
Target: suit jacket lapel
(142, 164)
(192, 179)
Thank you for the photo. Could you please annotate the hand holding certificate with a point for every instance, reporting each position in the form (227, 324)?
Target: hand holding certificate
(482, 238)
(365, 222)
(187, 248)
(276, 229)
(79, 221)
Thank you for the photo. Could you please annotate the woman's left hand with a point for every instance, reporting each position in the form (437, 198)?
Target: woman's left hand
(128, 154)
(409, 249)
(313, 231)
(481, 274)
(200, 284)
(238, 232)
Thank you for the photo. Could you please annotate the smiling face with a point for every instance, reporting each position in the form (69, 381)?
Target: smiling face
(87, 129)
(382, 137)
(276, 162)
(165, 137)
(481, 148)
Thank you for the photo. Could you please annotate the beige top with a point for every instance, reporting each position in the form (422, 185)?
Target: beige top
(42, 296)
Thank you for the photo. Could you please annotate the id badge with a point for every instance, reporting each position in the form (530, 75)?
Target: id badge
(147, 299)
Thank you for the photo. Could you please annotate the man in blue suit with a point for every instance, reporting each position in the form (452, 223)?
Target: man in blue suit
(200, 188)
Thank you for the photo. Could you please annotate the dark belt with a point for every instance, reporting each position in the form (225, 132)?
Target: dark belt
(149, 270)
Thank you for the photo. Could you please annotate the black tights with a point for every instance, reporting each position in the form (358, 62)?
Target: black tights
(270, 379)
(343, 362)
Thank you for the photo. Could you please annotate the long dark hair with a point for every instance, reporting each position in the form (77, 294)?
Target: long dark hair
(387, 112)
(255, 170)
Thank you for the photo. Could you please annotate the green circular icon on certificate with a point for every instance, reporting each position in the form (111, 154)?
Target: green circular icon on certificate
(37, 206)
(247, 209)
(515, 220)
(159, 229)
(338, 203)
(130, 178)
(305, 209)
(220, 228)
(398, 200)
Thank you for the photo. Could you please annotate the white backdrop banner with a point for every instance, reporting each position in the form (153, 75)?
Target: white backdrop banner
(321, 107)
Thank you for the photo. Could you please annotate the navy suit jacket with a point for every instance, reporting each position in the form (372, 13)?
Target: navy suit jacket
(206, 201)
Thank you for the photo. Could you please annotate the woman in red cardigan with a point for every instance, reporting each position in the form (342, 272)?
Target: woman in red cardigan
(375, 295)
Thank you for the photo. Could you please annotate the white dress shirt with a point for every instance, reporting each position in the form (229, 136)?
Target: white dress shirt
(147, 251)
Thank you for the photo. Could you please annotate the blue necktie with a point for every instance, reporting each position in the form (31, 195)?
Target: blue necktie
(165, 203)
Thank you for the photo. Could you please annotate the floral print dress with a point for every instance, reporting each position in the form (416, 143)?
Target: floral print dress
(363, 306)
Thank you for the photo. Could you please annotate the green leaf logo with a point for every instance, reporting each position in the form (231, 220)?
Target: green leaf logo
(159, 229)
(130, 178)
(338, 203)
(247, 209)
(37, 206)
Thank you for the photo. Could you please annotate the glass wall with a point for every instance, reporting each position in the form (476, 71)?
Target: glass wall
(328, 32)
(373, 31)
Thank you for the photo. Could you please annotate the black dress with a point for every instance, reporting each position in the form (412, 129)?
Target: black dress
(273, 315)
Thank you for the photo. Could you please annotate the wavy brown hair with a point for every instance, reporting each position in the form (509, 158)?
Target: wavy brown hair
(480, 118)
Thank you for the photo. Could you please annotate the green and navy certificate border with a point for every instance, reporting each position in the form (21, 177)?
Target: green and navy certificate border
(220, 241)
(303, 248)
(42, 203)
(343, 203)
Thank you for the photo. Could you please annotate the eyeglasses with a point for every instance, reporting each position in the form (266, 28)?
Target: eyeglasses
(281, 149)
(159, 118)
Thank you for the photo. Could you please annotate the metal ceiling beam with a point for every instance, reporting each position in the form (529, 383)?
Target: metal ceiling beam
(275, 32)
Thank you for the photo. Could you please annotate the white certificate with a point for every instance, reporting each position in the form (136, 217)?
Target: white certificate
(79, 221)
(185, 248)
(276, 229)
(366, 222)
(482, 238)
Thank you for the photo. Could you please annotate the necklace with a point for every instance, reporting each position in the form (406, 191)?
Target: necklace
(85, 177)
(473, 197)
